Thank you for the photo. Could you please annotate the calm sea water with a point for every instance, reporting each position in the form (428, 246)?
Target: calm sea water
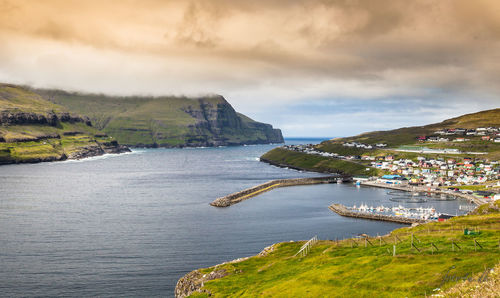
(132, 224)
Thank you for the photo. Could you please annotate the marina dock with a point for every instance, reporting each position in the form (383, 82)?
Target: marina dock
(344, 211)
(470, 198)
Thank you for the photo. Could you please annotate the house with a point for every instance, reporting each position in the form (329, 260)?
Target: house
(392, 179)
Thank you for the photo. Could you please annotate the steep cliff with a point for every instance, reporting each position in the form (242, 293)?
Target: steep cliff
(35, 130)
(167, 121)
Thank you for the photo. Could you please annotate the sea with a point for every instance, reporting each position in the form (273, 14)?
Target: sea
(133, 224)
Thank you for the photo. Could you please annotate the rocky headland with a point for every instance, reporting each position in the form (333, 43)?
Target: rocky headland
(167, 121)
(35, 130)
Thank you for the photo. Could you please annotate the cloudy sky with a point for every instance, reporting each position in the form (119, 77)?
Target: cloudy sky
(311, 68)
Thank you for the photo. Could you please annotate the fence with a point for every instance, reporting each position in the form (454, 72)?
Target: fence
(307, 247)
(404, 243)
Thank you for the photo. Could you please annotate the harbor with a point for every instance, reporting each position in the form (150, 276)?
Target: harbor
(422, 189)
(405, 216)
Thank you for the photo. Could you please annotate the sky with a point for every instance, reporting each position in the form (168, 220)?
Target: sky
(316, 68)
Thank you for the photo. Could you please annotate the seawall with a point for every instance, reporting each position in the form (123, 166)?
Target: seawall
(248, 193)
(343, 211)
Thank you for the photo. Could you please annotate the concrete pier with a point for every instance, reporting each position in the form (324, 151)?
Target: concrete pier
(256, 190)
(343, 211)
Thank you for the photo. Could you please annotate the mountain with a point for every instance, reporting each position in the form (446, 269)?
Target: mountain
(166, 121)
(33, 129)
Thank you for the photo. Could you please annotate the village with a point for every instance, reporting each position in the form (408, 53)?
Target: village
(471, 175)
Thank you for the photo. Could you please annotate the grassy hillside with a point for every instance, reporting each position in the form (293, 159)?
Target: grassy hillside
(394, 139)
(283, 157)
(407, 135)
(355, 268)
(166, 121)
(14, 98)
(33, 129)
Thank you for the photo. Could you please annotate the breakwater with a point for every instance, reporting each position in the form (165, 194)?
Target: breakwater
(343, 211)
(237, 197)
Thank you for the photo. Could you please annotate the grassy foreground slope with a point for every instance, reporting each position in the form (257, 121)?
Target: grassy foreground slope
(167, 121)
(355, 268)
(33, 129)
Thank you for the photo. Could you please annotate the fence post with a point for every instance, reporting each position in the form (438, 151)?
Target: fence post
(432, 243)
(394, 250)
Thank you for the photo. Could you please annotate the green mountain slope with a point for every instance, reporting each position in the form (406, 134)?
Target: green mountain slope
(33, 129)
(167, 121)
(407, 135)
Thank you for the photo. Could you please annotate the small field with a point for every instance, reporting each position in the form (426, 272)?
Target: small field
(33, 146)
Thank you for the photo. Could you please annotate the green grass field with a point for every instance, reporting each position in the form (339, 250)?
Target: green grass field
(355, 268)
(47, 149)
(317, 163)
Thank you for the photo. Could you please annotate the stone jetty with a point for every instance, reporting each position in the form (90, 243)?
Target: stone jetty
(256, 190)
(343, 211)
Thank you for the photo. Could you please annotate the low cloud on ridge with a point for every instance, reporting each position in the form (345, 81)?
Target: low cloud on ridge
(267, 57)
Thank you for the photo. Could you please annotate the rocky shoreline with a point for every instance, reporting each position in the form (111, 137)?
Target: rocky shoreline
(194, 281)
(84, 152)
(201, 145)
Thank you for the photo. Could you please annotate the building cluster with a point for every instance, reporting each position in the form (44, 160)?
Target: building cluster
(423, 170)
(439, 172)
(364, 146)
(309, 149)
(486, 134)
